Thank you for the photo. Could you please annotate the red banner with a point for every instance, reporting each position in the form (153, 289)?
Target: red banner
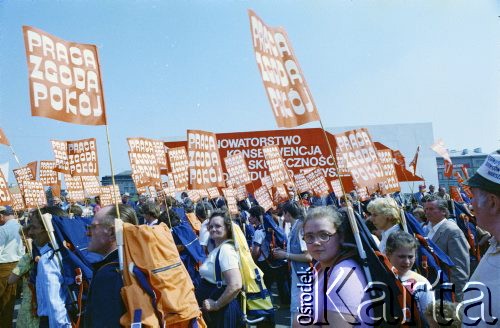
(34, 194)
(230, 196)
(18, 202)
(33, 167)
(455, 194)
(110, 195)
(49, 177)
(318, 182)
(275, 165)
(358, 155)
(213, 192)
(3, 138)
(77, 158)
(5, 196)
(391, 183)
(145, 171)
(64, 79)
(23, 174)
(284, 82)
(205, 167)
(179, 165)
(241, 193)
(301, 183)
(448, 169)
(464, 170)
(91, 185)
(337, 188)
(263, 197)
(237, 170)
(150, 146)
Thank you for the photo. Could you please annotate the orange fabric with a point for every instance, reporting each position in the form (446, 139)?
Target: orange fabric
(153, 250)
(195, 223)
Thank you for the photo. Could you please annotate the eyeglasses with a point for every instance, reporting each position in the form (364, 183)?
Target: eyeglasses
(322, 237)
(92, 226)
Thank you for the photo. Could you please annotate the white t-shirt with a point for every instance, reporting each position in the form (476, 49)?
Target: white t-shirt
(204, 234)
(258, 239)
(228, 259)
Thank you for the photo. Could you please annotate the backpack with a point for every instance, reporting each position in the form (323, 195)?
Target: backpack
(275, 237)
(256, 299)
(155, 280)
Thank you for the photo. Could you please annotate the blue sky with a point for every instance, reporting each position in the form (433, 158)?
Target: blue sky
(168, 66)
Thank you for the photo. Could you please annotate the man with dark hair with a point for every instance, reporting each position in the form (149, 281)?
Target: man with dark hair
(485, 186)
(450, 239)
(151, 213)
(11, 251)
(104, 303)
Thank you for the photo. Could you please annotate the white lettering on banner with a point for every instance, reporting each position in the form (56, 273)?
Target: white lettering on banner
(358, 155)
(82, 157)
(317, 182)
(5, 196)
(259, 142)
(48, 176)
(237, 169)
(65, 78)
(263, 197)
(34, 194)
(205, 169)
(275, 164)
(286, 88)
(391, 183)
(144, 168)
(143, 145)
(179, 166)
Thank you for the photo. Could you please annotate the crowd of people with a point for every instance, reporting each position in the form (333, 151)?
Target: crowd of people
(305, 246)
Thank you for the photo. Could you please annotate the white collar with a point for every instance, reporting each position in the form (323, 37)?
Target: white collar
(155, 221)
(434, 228)
(392, 229)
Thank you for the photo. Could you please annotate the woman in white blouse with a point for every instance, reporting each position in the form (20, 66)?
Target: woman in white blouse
(221, 277)
(386, 216)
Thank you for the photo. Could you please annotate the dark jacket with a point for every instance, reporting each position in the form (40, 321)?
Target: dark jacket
(104, 302)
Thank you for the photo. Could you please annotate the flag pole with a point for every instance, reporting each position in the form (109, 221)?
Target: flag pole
(350, 214)
(112, 170)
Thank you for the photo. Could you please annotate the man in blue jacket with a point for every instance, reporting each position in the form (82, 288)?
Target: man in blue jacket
(104, 302)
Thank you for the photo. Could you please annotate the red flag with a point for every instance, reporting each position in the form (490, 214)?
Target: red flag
(458, 177)
(440, 148)
(33, 166)
(399, 159)
(455, 194)
(283, 79)
(413, 163)
(448, 169)
(464, 170)
(3, 138)
(64, 79)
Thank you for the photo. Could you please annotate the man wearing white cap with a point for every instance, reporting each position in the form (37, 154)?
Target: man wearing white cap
(485, 185)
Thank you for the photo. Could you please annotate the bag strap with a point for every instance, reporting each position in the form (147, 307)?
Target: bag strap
(218, 271)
